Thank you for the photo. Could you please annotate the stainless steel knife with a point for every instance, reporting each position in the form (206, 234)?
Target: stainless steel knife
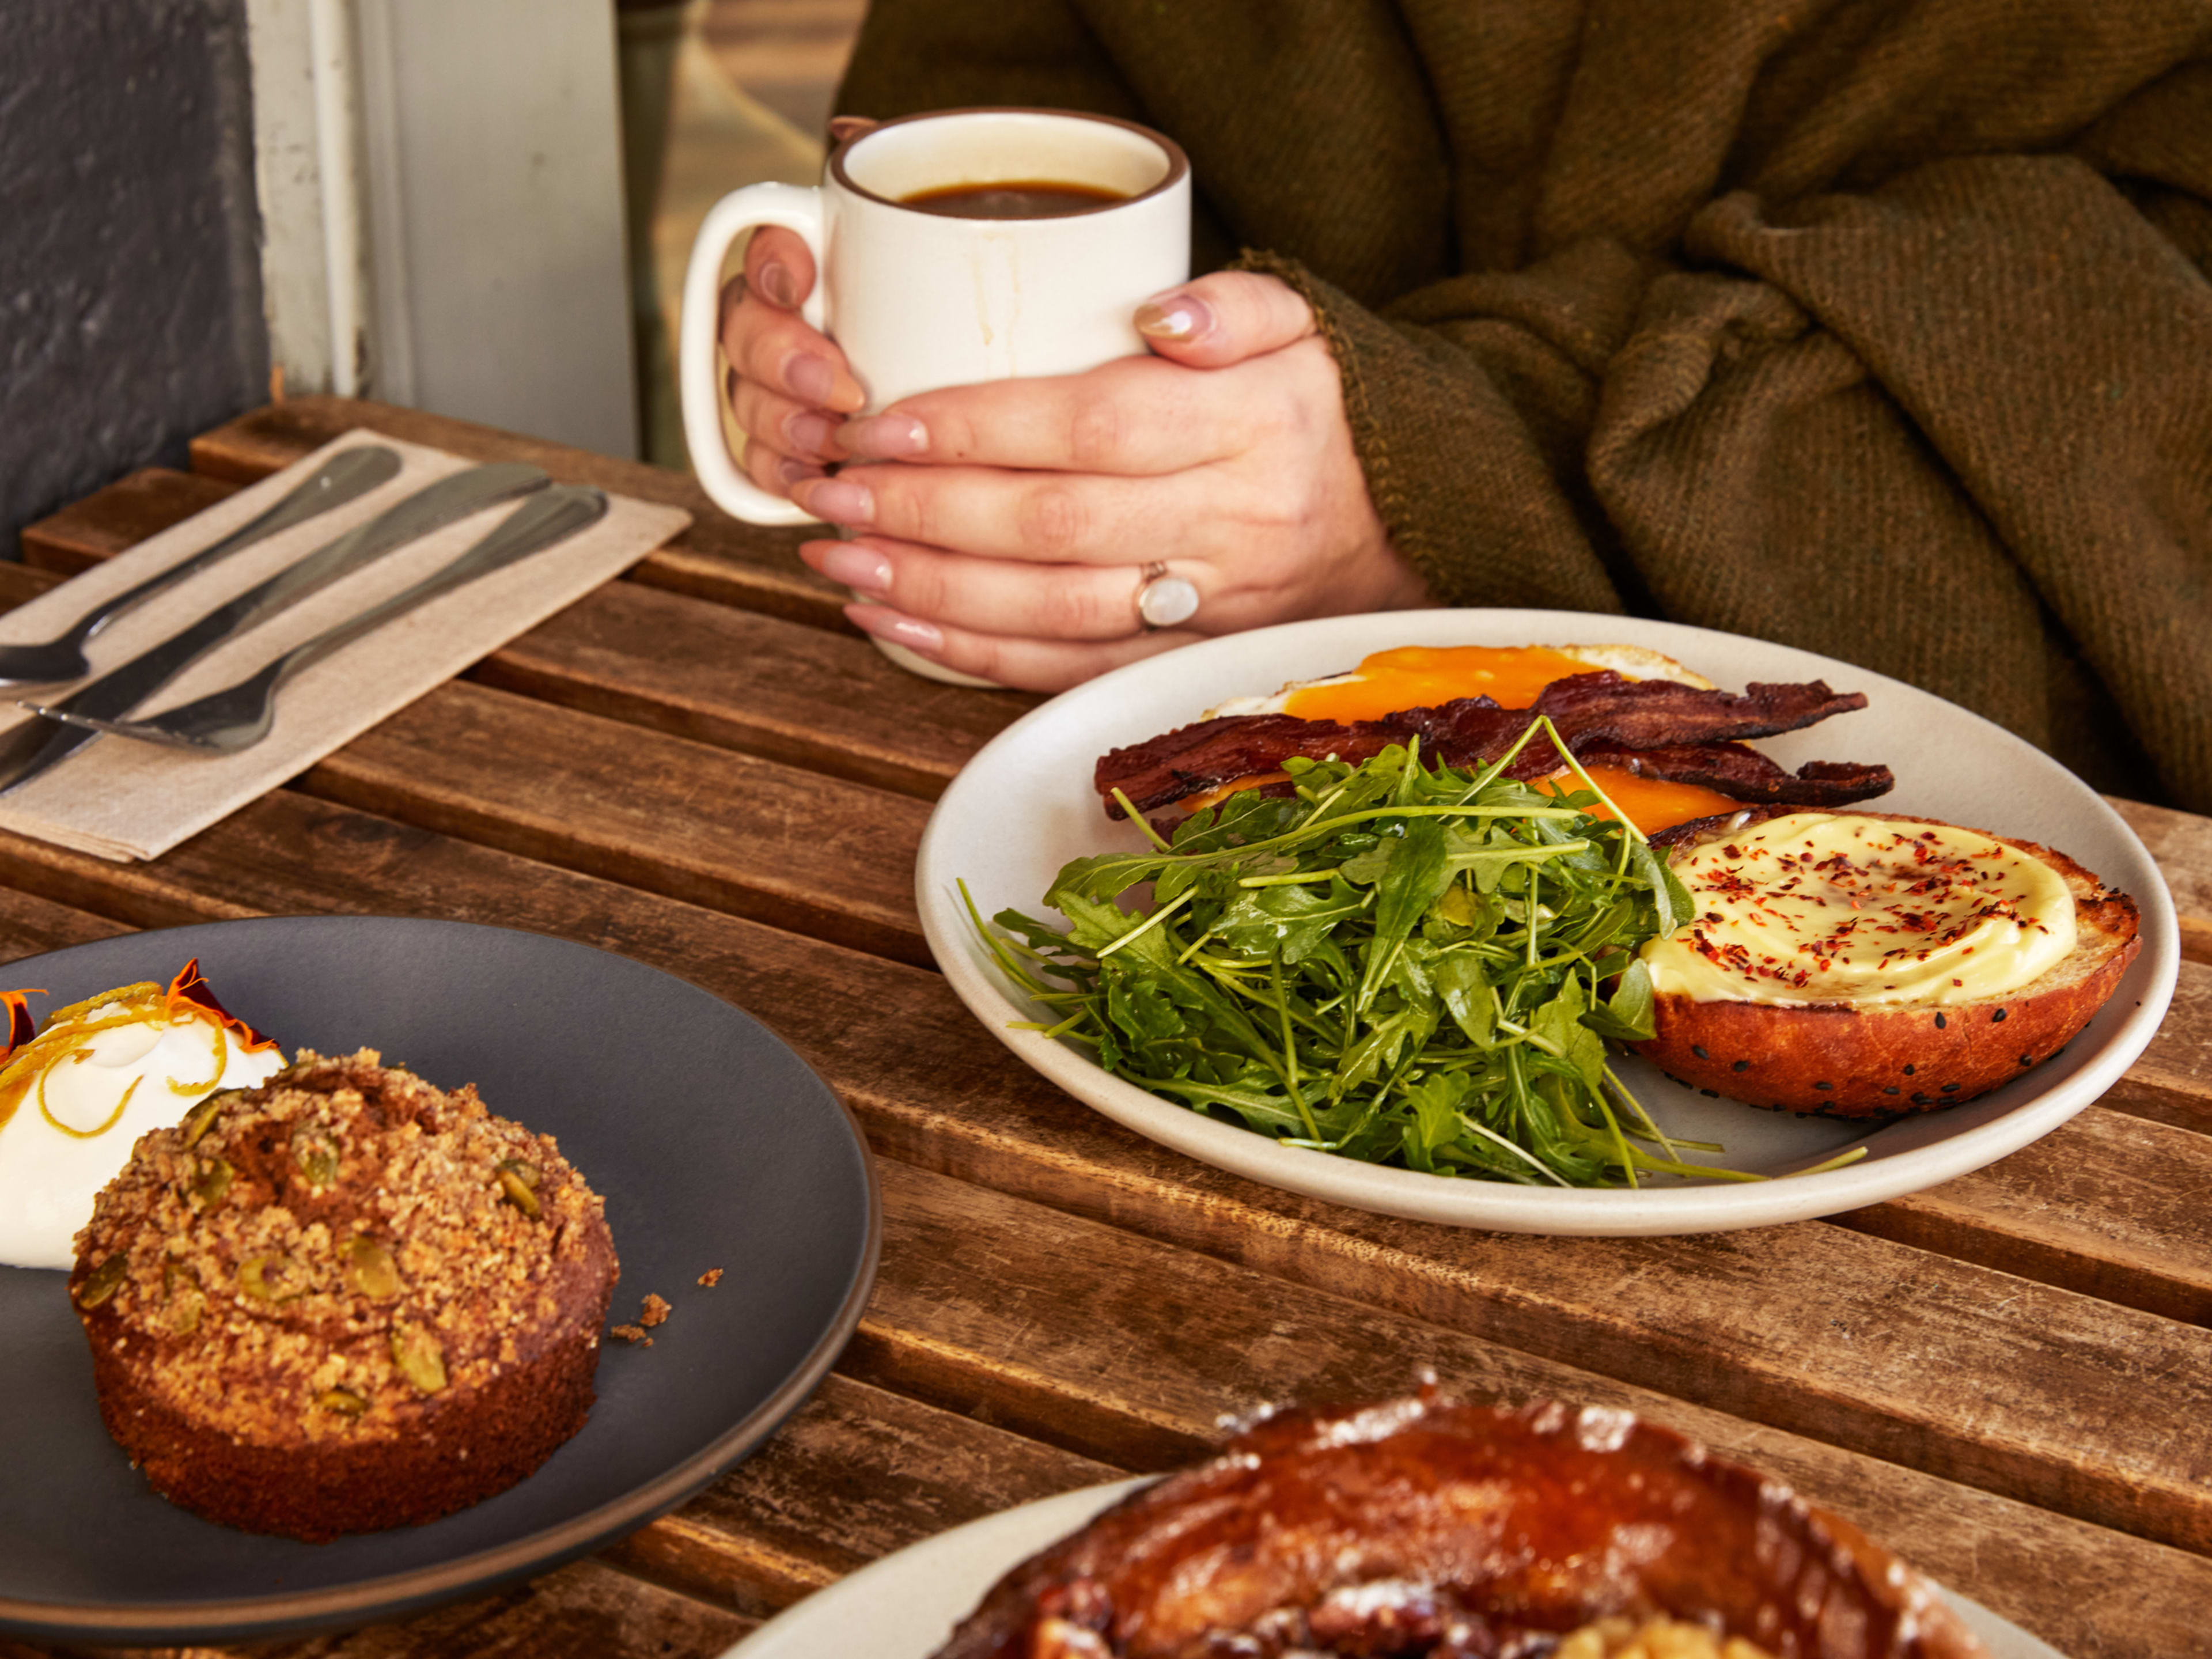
(38, 744)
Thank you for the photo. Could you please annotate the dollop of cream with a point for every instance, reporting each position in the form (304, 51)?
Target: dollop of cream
(56, 1155)
(1820, 907)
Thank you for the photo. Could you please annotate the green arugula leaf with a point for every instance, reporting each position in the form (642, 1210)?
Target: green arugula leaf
(1404, 964)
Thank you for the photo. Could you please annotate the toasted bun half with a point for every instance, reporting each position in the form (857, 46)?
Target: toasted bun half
(1838, 1060)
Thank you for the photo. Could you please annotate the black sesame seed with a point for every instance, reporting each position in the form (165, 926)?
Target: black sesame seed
(1710, 1094)
(2027, 1059)
(1824, 1085)
(1889, 1089)
(1741, 1066)
(1997, 1019)
(1941, 1021)
(1698, 1052)
(1950, 1088)
(1908, 1071)
(1919, 1099)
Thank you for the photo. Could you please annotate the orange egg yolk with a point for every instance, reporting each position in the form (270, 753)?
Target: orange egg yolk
(1651, 804)
(1423, 676)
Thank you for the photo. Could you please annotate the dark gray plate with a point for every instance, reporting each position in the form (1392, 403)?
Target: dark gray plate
(714, 1146)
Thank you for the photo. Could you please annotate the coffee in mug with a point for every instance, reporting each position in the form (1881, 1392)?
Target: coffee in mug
(1018, 198)
(949, 248)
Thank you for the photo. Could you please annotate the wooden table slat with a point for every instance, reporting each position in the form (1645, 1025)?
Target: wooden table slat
(858, 1473)
(2108, 1204)
(136, 505)
(754, 682)
(2182, 844)
(791, 847)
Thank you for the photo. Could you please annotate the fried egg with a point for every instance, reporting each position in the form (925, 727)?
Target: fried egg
(1511, 676)
(1422, 675)
(75, 1099)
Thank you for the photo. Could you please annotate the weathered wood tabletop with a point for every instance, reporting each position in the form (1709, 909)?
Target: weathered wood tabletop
(2008, 1378)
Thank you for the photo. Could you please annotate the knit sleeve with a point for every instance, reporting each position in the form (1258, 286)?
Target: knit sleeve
(1953, 427)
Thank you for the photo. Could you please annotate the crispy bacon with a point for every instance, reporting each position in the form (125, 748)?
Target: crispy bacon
(1678, 731)
(1652, 713)
(1744, 775)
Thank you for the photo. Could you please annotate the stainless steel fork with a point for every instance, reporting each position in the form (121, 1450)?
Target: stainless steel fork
(239, 716)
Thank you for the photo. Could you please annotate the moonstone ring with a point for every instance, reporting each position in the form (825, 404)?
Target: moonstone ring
(1163, 600)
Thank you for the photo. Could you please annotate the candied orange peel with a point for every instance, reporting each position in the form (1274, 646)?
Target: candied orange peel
(186, 998)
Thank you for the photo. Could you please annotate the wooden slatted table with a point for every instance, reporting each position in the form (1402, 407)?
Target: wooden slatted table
(2008, 1378)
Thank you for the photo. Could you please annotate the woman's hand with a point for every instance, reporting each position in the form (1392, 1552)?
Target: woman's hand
(1009, 536)
(788, 385)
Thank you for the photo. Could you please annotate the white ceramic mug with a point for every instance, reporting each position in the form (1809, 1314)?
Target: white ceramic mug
(919, 300)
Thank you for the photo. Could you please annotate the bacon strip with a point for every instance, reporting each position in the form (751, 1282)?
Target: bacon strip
(1745, 775)
(1666, 725)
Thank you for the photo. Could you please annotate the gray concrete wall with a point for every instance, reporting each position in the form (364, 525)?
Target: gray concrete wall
(130, 286)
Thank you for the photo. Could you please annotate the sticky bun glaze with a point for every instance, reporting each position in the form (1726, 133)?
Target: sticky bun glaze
(1419, 1527)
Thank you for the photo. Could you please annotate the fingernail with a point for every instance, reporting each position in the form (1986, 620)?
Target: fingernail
(860, 568)
(1174, 316)
(885, 438)
(809, 377)
(840, 500)
(792, 473)
(914, 635)
(808, 431)
(779, 285)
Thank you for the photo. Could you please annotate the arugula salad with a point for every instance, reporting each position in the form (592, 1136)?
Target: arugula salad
(1403, 964)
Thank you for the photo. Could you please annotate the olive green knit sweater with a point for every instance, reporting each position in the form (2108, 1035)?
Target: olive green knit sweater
(1880, 329)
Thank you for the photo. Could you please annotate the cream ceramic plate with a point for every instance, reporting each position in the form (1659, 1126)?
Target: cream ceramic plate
(1024, 807)
(904, 1606)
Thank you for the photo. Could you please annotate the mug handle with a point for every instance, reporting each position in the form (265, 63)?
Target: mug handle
(795, 209)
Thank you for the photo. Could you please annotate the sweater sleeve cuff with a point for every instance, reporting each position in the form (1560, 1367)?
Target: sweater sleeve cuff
(1461, 488)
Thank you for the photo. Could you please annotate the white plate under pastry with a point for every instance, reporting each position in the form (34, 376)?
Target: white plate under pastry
(1024, 806)
(904, 1606)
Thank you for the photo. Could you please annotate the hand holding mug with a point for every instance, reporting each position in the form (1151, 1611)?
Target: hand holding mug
(1007, 530)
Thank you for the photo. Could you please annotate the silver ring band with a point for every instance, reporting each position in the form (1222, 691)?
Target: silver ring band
(1163, 600)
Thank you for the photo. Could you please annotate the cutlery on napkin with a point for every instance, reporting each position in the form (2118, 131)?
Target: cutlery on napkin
(127, 800)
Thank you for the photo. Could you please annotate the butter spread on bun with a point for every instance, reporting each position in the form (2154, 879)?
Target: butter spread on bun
(1819, 907)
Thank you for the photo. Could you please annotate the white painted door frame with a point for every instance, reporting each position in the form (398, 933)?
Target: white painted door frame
(441, 191)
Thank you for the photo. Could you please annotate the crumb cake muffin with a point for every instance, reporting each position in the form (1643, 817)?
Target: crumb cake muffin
(343, 1301)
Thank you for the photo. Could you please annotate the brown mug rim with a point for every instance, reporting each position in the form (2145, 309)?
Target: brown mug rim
(1178, 163)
